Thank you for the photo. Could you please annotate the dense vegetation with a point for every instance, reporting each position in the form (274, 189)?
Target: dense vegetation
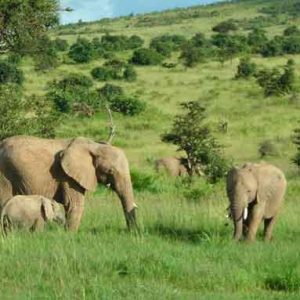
(244, 71)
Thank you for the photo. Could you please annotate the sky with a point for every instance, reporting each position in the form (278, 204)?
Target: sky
(90, 10)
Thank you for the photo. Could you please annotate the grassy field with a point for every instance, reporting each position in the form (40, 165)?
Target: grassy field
(185, 250)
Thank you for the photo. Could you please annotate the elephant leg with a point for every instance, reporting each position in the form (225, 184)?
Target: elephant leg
(38, 225)
(268, 228)
(254, 222)
(74, 210)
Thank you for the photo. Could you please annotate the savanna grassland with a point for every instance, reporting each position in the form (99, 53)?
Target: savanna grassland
(185, 249)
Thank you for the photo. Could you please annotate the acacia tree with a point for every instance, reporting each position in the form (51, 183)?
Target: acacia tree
(191, 134)
(24, 22)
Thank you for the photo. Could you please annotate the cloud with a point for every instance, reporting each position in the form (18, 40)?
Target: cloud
(87, 10)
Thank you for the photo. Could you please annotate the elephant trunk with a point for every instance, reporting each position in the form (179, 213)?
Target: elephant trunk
(125, 193)
(239, 213)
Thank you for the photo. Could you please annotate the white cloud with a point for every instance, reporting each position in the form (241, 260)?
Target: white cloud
(87, 10)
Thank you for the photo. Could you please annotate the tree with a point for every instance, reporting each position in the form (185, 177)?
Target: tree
(24, 22)
(20, 115)
(191, 135)
(129, 73)
(192, 55)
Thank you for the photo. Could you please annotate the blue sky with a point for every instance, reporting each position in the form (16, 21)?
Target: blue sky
(89, 10)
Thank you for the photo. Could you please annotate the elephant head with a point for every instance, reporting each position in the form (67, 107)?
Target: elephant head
(89, 163)
(242, 187)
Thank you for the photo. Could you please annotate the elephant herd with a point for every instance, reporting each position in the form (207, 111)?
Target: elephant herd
(39, 176)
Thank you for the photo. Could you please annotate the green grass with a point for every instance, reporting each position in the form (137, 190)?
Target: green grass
(185, 250)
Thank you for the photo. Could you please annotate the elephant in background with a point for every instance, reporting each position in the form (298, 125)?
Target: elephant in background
(64, 170)
(30, 212)
(255, 192)
(174, 166)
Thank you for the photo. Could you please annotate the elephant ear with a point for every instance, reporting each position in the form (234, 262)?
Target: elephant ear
(77, 162)
(47, 209)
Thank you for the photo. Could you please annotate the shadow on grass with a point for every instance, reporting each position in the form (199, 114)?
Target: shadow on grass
(193, 236)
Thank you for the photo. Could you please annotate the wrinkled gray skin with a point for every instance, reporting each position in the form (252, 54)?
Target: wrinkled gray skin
(30, 213)
(174, 166)
(260, 189)
(64, 170)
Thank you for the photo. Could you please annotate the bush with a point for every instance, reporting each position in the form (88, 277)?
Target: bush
(192, 55)
(130, 74)
(145, 182)
(273, 47)
(135, 42)
(165, 44)
(225, 26)
(191, 135)
(291, 30)
(10, 73)
(291, 44)
(103, 74)
(127, 105)
(20, 115)
(82, 51)
(46, 57)
(145, 57)
(110, 91)
(120, 42)
(276, 83)
(257, 39)
(60, 44)
(73, 93)
(245, 69)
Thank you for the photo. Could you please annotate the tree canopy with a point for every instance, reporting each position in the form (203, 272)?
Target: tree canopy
(24, 22)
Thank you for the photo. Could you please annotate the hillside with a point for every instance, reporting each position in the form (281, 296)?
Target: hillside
(185, 251)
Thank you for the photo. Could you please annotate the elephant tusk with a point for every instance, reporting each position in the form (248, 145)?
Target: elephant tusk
(108, 185)
(245, 213)
(135, 205)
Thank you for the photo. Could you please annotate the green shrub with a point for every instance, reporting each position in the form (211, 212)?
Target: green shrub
(291, 30)
(145, 57)
(60, 44)
(191, 55)
(275, 82)
(82, 51)
(135, 42)
(130, 74)
(145, 182)
(10, 73)
(273, 47)
(257, 39)
(73, 93)
(103, 73)
(127, 105)
(46, 57)
(246, 68)
(225, 26)
(166, 43)
(110, 91)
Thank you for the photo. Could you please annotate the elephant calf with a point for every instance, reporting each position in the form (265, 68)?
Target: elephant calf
(255, 193)
(30, 212)
(172, 165)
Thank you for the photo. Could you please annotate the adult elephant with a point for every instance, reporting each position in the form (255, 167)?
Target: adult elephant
(174, 166)
(255, 192)
(64, 169)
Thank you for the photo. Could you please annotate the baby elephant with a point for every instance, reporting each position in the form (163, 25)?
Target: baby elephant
(30, 212)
